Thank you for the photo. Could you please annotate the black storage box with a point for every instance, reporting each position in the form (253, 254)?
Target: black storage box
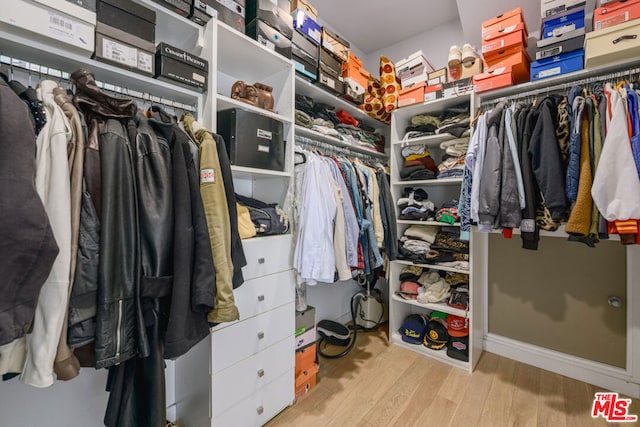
(179, 66)
(330, 83)
(269, 37)
(305, 68)
(129, 17)
(231, 12)
(276, 13)
(87, 4)
(252, 140)
(181, 7)
(329, 63)
(304, 48)
(124, 37)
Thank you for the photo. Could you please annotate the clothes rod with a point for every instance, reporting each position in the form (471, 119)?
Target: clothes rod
(59, 75)
(334, 149)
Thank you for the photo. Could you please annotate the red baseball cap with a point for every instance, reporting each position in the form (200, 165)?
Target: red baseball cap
(457, 326)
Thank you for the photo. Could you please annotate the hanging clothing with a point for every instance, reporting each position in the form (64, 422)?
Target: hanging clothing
(466, 204)
(491, 177)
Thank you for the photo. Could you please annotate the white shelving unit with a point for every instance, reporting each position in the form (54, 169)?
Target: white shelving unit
(439, 191)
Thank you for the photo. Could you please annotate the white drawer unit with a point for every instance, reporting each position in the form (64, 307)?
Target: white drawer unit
(267, 255)
(239, 341)
(259, 408)
(260, 295)
(247, 377)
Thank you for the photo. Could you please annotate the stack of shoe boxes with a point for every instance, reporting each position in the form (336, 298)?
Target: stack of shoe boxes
(126, 35)
(355, 78)
(307, 37)
(181, 7)
(334, 52)
(560, 48)
(270, 23)
(306, 367)
(231, 12)
(616, 33)
(70, 24)
(504, 44)
(413, 73)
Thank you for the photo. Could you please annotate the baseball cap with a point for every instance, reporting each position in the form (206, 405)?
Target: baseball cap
(458, 348)
(413, 329)
(436, 336)
(457, 326)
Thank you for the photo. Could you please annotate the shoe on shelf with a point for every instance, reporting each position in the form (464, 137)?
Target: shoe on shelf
(455, 56)
(469, 53)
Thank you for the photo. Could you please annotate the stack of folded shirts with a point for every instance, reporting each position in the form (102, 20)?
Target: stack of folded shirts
(455, 121)
(422, 125)
(451, 167)
(418, 164)
(415, 206)
(416, 242)
(448, 213)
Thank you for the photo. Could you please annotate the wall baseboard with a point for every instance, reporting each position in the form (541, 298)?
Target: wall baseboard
(600, 375)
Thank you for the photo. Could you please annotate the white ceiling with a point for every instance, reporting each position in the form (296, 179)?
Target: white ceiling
(375, 24)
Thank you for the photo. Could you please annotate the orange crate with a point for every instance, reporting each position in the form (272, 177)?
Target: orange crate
(306, 381)
(305, 358)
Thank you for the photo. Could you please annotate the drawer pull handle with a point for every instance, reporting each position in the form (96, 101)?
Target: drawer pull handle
(627, 37)
(260, 410)
(260, 260)
(260, 335)
(260, 298)
(261, 373)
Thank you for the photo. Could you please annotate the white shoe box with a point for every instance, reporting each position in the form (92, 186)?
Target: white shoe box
(50, 24)
(416, 65)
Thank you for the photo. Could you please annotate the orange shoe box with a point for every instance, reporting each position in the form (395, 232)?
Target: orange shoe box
(615, 13)
(500, 77)
(305, 358)
(353, 60)
(503, 23)
(516, 58)
(511, 37)
(355, 73)
(411, 95)
(306, 381)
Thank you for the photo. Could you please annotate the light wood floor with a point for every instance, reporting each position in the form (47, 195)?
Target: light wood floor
(379, 384)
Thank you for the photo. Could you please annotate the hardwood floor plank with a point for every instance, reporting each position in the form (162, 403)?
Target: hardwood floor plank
(578, 401)
(551, 406)
(525, 396)
(498, 404)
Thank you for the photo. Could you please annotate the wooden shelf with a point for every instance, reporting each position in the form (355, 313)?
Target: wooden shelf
(441, 355)
(224, 103)
(433, 306)
(433, 267)
(425, 182)
(437, 223)
(311, 134)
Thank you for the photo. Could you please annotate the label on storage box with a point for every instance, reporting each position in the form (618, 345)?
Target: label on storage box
(549, 52)
(263, 148)
(198, 77)
(60, 26)
(498, 44)
(329, 82)
(120, 53)
(265, 134)
(549, 72)
(612, 20)
(557, 32)
(315, 34)
(270, 45)
(145, 61)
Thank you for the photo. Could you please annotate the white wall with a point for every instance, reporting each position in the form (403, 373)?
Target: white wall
(331, 300)
(434, 43)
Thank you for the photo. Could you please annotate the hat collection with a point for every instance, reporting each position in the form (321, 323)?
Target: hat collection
(438, 331)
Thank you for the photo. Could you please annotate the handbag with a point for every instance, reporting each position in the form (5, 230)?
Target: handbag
(267, 218)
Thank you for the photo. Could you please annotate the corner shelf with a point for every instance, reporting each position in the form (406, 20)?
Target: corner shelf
(224, 102)
(434, 267)
(440, 355)
(433, 306)
(311, 134)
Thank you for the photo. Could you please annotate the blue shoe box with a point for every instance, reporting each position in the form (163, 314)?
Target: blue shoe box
(307, 26)
(557, 65)
(563, 23)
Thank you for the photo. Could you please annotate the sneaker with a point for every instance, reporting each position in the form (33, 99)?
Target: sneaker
(455, 56)
(469, 53)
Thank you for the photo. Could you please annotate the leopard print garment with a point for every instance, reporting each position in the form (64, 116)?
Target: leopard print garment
(562, 130)
(543, 218)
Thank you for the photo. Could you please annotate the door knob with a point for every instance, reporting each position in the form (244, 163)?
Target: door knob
(615, 301)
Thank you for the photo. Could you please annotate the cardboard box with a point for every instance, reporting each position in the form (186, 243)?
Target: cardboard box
(553, 7)
(116, 52)
(305, 48)
(353, 92)
(308, 337)
(433, 92)
(307, 26)
(563, 23)
(252, 140)
(504, 20)
(51, 26)
(411, 95)
(305, 358)
(275, 13)
(615, 13)
(306, 381)
(269, 37)
(330, 64)
(557, 65)
(87, 4)
(305, 320)
(514, 36)
(561, 44)
(179, 66)
(457, 87)
(335, 44)
(73, 9)
(306, 7)
(129, 17)
(411, 81)
(181, 7)
(515, 58)
(466, 69)
(494, 79)
(606, 46)
(356, 74)
(353, 60)
(329, 82)
(305, 68)
(438, 77)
